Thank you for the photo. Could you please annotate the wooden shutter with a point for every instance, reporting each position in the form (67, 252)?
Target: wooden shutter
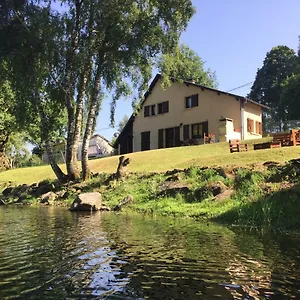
(146, 111)
(177, 136)
(153, 110)
(160, 108)
(160, 138)
(186, 132)
(195, 100)
(204, 128)
(256, 127)
(145, 143)
(260, 128)
(165, 107)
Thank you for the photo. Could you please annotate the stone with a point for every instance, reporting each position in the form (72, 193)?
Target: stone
(127, 200)
(44, 187)
(175, 177)
(213, 188)
(7, 191)
(171, 188)
(224, 196)
(2, 202)
(48, 197)
(87, 202)
(104, 207)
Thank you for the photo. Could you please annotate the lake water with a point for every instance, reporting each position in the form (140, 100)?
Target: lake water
(50, 253)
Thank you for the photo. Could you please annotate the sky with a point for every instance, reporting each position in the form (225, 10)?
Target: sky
(232, 37)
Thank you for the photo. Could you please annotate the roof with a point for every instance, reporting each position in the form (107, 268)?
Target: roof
(187, 82)
(103, 138)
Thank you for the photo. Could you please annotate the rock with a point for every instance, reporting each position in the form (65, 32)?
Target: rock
(2, 202)
(226, 172)
(87, 202)
(173, 172)
(48, 197)
(127, 200)
(223, 196)
(213, 188)
(171, 188)
(271, 164)
(174, 177)
(44, 187)
(105, 207)
(7, 191)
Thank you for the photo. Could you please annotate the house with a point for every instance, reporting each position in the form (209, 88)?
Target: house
(187, 110)
(98, 147)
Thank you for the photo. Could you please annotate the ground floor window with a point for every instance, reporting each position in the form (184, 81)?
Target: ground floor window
(199, 129)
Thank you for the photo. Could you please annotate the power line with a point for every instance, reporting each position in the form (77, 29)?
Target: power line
(239, 87)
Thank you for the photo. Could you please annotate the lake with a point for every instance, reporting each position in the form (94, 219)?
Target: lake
(51, 253)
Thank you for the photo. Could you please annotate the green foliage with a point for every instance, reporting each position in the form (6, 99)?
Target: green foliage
(290, 96)
(247, 185)
(280, 63)
(185, 64)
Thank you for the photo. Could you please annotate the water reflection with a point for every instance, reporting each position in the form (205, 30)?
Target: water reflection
(50, 253)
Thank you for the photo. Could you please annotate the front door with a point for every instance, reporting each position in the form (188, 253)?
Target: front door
(145, 140)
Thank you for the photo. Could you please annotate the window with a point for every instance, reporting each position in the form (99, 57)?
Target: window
(163, 107)
(146, 111)
(199, 129)
(153, 110)
(250, 125)
(191, 101)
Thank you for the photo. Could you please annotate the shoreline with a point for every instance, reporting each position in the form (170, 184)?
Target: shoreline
(259, 195)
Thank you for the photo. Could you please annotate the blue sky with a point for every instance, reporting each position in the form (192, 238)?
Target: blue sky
(232, 37)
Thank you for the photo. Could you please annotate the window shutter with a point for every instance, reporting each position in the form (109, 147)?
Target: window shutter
(256, 127)
(153, 110)
(205, 128)
(186, 132)
(160, 138)
(160, 108)
(166, 107)
(146, 111)
(260, 128)
(195, 100)
(187, 100)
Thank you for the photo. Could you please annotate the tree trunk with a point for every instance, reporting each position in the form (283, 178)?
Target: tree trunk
(90, 124)
(45, 137)
(122, 170)
(56, 169)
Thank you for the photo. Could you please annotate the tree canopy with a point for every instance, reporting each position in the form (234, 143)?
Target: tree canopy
(63, 61)
(186, 64)
(280, 63)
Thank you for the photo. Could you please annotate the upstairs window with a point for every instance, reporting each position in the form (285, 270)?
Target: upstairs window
(153, 110)
(163, 107)
(146, 111)
(191, 101)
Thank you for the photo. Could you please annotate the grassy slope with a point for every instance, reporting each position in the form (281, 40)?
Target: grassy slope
(165, 159)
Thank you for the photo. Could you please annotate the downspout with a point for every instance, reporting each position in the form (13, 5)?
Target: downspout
(242, 119)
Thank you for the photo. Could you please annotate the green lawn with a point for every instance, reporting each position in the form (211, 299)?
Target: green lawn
(166, 159)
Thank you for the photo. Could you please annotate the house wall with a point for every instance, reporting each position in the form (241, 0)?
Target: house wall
(254, 113)
(212, 106)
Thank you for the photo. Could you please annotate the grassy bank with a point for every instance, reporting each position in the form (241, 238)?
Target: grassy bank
(165, 159)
